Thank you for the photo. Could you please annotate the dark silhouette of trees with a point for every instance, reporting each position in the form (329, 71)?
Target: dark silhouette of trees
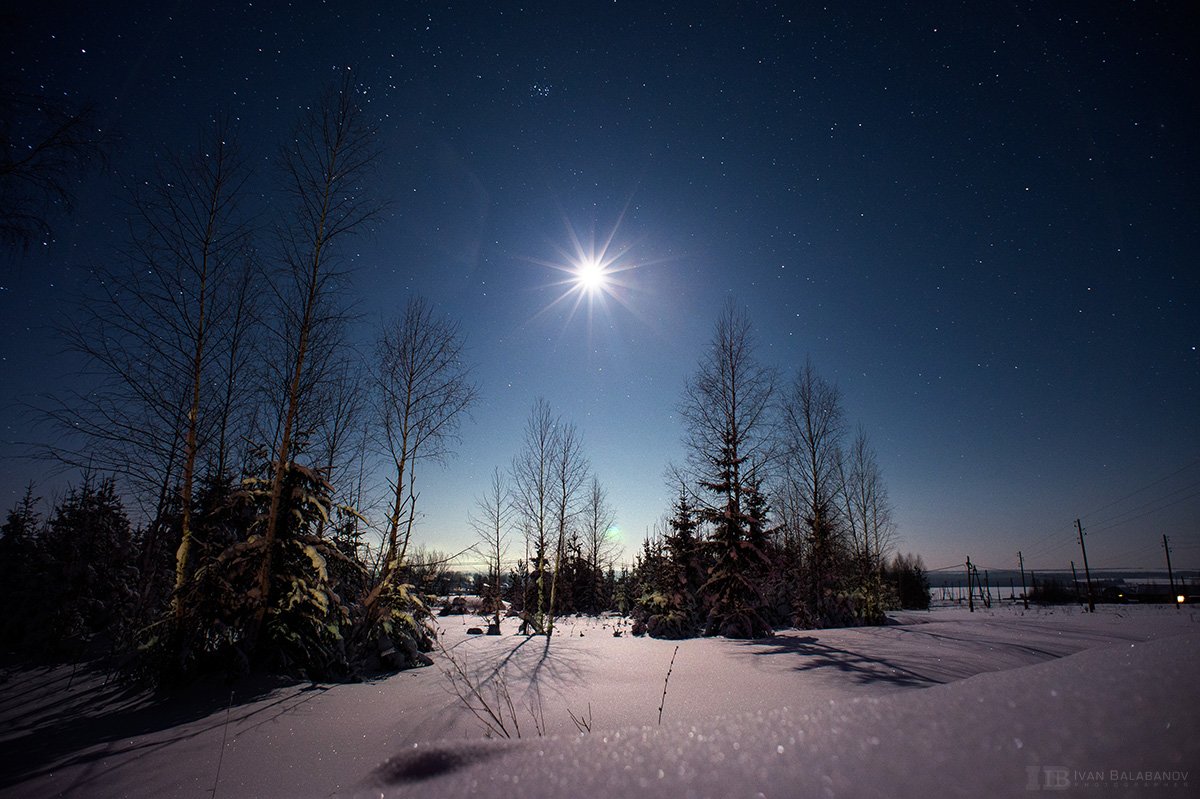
(81, 571)
(726, 410)
(909, 580)
(20, 563)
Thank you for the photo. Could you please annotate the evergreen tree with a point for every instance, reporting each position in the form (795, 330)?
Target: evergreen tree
(307, 627)
(89, 573)
(910, 582)
(622, 591)
(20, 565)
(736, 606)
(326, 163)
(726, 407)
(607, 599)
(685, 574)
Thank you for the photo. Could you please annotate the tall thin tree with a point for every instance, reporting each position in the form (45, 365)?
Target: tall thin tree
(423, 390)
(814, 426)
(867, 513)
(491, 520)
(597, 520)
(532, 496)
(326, 164)
(569, 470)
(193, 223)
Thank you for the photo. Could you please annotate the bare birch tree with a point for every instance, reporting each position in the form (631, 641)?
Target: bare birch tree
(569, 469)
(326, 165)
(533, 493)
(193, 226)
(491, 520)
(597, 519)
(423, 390)
(814, 426)
(867, 512)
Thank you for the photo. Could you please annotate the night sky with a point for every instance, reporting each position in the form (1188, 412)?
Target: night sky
(979, 220)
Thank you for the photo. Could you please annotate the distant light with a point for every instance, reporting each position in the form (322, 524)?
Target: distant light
(1180, 599)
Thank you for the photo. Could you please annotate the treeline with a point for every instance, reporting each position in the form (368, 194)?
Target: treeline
(781, 517)
(645, 591)
(550, 496)
(225, 398)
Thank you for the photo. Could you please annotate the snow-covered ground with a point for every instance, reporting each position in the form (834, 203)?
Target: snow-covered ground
(1010, 702)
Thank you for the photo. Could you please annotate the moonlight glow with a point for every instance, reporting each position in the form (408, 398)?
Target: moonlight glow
(594, 274)
(591, 276)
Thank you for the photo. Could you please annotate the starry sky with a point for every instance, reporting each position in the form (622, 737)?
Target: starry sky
(979, 221)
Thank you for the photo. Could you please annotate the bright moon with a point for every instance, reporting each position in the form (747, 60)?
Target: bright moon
(590, 275)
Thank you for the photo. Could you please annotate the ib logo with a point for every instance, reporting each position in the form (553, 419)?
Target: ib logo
(1047, 778)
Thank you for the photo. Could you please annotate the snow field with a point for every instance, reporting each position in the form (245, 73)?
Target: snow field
(1007, 691)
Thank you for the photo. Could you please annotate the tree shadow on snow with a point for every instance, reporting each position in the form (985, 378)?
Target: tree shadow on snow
(536, 659)
(98, 718)
(536, 673)
(812, 654)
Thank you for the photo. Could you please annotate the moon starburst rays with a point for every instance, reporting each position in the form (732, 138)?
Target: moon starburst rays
(591, 274)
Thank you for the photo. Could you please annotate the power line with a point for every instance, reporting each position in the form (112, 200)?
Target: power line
(1059, 538)
(1147, 513)
(1066, 539)
(1056, 531)
(946, 568)
(1138, 551)
(1137, 491)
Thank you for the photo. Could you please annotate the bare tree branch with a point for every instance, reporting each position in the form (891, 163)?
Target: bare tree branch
(45, 146)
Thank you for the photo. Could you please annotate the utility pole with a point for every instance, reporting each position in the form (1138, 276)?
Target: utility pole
(1075, 579)
(970, 599)
(1087, 573)
(1170, 574)
(1024, 596)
